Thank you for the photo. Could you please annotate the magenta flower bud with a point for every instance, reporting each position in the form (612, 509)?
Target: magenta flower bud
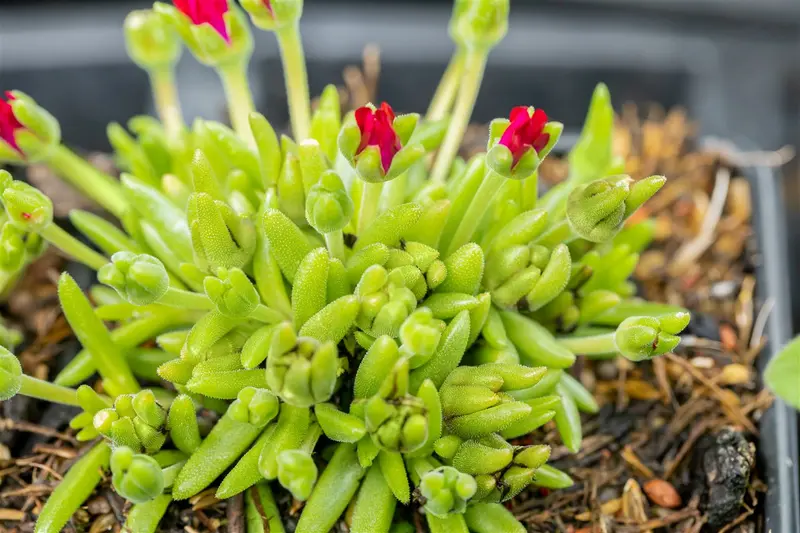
(377, 130)
(377, 144)
(9, 123)
(28, 133)
(525, 131)
(518, 145)
(211, 12)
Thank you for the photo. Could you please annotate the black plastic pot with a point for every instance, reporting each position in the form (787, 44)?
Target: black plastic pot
(778, 442)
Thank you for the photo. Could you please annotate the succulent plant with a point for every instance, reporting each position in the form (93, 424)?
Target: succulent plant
(359, 282)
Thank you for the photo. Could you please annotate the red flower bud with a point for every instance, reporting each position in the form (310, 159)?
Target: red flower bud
(377, 130)
(525, 131)
(8, 122)
(268, 5)
(209, 12)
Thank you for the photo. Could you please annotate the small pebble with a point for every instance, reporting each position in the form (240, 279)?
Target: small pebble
(735, 374)
(103, 523)
(98, 505)
(606, 370)
(702, 362)
(81, 516)
(662, 493)
(728, 337)
(607, 494)
(724, 289)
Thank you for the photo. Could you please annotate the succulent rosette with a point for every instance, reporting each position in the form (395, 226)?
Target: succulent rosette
(358, 282)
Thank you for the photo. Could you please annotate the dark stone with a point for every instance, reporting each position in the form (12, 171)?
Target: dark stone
(55, 416)
(722, 463)
(704, 326)
(17, 408)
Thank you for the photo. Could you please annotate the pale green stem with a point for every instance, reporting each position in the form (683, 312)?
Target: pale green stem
(594, 345)
(168, 106)
(530, 192)
(262, 313)
(477, 209)
(196, 301)
(442, 99)
(8, 280)
(171, 473)
(560, 233)
(357, 194)
(470, 84)
(73, 247)
(396, 191)
(311, 438)
(370, 200)
(240, 99)
(418, 467)
(100, 187)
(186, 299)
(294, 67)
(44, 390)
(335, 242)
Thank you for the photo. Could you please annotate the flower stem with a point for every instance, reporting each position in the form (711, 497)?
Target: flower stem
(294, 68)
(186, 299)
(44, 390)
(530, 191)
(480, 203)
(73, 247)
(442, 99)
(311, 438)
(470, 84)
(8, 280)
(594, 345)
(95, 184)
(396, 191)
(240, 99)
(335, 242)
(561, 232)
(370, 199)
(168, 106)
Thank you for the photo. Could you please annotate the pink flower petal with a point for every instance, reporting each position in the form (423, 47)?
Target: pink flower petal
(539, 119)
(9, 123)
(387, 109)
(517, 112)
(541, 142)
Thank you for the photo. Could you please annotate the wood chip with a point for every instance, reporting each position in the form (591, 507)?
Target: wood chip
(641, 390)
(632, 459)
(611, 507)
(12, 515)
(633, 504)
(208, 500)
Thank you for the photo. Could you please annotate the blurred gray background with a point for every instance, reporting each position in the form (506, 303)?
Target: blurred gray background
(732, 63)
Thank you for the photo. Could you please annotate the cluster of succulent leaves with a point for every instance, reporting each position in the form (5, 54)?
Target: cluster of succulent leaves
(369, 338)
